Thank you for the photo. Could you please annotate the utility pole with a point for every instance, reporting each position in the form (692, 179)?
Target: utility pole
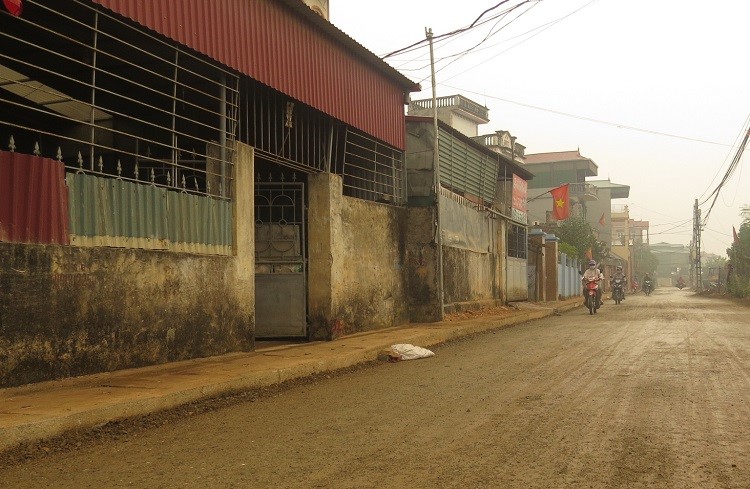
(436, 179)
(697, 244)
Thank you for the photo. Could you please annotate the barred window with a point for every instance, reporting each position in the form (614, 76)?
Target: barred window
(517, 241)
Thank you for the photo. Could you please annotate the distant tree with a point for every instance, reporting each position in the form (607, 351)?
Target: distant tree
(568, 249)
(645, 260)
(715, 262)
(739, 258)
(578, 234)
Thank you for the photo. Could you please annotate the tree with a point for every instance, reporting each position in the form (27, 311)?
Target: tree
(579, 236)
(739, 259)
(645, 261)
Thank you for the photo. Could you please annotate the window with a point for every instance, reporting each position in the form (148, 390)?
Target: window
(517, 241)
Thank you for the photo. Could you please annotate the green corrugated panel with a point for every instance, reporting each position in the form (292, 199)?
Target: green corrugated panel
(464, 168)
(112, 207)
(82, 199)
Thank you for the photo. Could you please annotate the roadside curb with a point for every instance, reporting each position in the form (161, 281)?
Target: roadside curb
(43, 411)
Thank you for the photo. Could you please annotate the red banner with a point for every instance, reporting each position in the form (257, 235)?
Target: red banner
(560, 202)
(15, 7)
(520, 192)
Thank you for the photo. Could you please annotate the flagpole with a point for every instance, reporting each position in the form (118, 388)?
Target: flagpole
(547, 192)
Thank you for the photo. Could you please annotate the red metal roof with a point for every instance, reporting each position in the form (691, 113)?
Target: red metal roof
(33, 199)
(554, 157)
(285, 45)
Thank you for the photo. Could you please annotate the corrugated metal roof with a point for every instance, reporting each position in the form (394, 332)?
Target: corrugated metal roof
(285, 45)
(554, 157)
(33, 199)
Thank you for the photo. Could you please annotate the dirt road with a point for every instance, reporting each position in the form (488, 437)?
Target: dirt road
(651, 393)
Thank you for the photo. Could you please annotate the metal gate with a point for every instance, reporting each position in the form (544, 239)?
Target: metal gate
(280, 265)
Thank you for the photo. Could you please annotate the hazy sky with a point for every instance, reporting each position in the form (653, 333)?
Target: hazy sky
(656, 92)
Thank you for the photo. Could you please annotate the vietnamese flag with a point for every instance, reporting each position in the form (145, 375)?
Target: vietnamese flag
(15, 7)
(560, 202)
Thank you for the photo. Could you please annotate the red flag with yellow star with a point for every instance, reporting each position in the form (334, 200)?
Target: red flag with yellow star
(560, 202)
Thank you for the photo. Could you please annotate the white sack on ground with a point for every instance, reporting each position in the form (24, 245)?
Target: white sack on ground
(410, 352)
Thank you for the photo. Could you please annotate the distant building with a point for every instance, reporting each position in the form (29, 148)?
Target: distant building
(626, 234)
(674, 261)
(320, 7)
(457, 111)
(590, 199)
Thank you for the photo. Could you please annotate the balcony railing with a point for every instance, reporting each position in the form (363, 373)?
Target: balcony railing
(456, 101)
(583, 191)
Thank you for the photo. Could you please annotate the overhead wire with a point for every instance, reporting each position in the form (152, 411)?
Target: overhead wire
(718, 169)
(730, 171)
(498, 17)
(447, 34)
(591, 119)
(550, 24)
(460, 55)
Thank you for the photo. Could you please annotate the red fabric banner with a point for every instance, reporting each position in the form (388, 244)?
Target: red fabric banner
(560, 202)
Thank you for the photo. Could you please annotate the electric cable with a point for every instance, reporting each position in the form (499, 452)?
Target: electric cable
(452, 33)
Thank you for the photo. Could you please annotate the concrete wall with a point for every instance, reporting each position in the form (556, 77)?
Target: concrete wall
(551, 292)
(356, 273)
(468, 276)
(422, 266)
(67, 311)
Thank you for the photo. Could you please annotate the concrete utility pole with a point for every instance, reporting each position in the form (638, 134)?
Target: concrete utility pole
(436, 179)
(697, 243)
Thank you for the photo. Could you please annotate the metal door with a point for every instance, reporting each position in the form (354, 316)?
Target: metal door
(280, 265)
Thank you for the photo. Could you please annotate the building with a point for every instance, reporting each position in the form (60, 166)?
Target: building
(480, 201)
(176, 185)
(591, 199)
(674, 262)
(558, 168)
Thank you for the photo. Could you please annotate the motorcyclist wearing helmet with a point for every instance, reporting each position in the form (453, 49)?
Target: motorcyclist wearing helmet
(593, 273)
(621, 275)
(647, 278)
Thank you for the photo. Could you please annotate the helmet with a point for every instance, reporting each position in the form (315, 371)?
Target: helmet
(619, 268)
(592, 263)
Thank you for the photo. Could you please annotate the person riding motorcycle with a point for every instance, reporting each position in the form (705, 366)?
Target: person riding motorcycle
(593, 273)
(647, 278)
(619, 274)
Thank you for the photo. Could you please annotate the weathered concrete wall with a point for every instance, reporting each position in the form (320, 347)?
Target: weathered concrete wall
(422, 266)
(467, 276)
(357, 249)
(67, 311)
(550, 256)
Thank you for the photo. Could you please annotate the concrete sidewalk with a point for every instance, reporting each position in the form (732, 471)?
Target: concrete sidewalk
(41, 411)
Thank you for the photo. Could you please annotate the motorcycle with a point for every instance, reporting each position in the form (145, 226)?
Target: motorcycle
(680, 285)
(618, 290)
(648, 287)
(592, 286)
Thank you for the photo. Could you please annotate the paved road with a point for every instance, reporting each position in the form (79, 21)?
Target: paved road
(651, 393)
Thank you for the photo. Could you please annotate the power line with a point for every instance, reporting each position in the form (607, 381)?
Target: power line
(730, 171)
(550, 24)
(590, 119)
(448, 34)
(460, 55)
(497, 17)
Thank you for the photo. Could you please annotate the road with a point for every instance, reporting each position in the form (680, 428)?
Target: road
(651, 393)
